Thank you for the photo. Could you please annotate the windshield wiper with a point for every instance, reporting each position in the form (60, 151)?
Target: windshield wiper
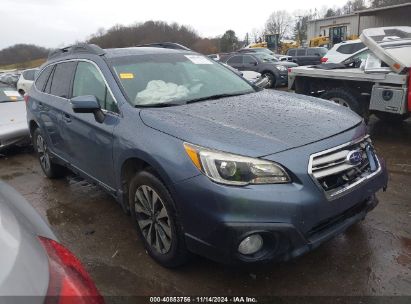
(217, 96)
(171, 104)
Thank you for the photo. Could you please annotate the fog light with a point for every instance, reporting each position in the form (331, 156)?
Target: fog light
(251, 244)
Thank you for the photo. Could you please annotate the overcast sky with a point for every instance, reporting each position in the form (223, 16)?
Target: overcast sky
(54, 23)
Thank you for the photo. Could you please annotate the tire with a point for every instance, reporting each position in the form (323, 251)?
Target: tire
(390, 117)
(21, 92)
(271, 79)
(155, 218)
(345, 97)
(50, 169)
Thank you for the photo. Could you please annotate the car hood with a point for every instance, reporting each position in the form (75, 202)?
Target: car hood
(255, 124)
(12, 112)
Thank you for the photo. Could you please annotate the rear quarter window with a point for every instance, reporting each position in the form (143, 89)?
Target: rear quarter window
(29, 75)
(350, 48)
(43, 77)
(301, 52)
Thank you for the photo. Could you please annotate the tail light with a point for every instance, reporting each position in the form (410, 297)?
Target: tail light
(324, 59)
(409, 90)
(69, 281)
(26, 98)
(289, 70)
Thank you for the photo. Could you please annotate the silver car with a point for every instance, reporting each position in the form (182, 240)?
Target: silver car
(13, 123)
(32, 261)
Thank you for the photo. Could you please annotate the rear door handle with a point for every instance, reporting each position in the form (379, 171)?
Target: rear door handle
(66, 117)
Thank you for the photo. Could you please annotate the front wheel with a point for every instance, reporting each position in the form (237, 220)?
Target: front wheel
(271, 79)
(155, 218)
(50, 169)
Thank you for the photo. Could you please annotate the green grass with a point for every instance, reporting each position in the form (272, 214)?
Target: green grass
(23, 65)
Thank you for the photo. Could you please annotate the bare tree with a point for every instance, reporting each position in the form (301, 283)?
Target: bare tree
(279, 22)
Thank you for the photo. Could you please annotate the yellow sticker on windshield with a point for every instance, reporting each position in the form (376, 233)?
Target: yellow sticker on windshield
(126, 75)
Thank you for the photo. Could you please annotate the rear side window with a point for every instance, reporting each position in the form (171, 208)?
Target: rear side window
(249, 60)
(350, 48)
(43, 77)
(89, 81)
(291, 52)
(300, 52)
(235, 60)
(62, 76)
(29, 75)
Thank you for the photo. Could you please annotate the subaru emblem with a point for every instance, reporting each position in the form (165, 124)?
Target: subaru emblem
(354, 157)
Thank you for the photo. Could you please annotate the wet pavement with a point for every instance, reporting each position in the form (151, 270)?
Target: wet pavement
(372, 258)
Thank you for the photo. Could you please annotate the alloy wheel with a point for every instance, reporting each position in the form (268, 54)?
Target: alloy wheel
(153, 219)
(43, 153)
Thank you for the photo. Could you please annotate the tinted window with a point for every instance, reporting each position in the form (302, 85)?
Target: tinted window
(43, 77)
(350, 48)
(88, 81)
(291, 52)
(62, 76)
(300, 52)
(235, 60)
(29, 75)
(249, 60)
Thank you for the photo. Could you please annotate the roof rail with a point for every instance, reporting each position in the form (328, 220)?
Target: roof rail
(77, 48)
(166, 45)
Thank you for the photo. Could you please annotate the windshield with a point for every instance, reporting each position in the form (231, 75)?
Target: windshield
(8, 94)
(266, 57)
(157, 79)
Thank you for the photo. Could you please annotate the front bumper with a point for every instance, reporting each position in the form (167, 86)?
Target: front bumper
(292, 218)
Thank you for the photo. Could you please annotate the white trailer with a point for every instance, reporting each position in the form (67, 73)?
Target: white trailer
(379, 84)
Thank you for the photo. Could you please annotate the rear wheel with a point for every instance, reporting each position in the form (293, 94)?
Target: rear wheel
(21, 91)
(155, 218)
(50, 169)
(345, 97)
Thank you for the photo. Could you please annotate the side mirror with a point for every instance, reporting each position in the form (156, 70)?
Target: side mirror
(88, 104)
(255, 63)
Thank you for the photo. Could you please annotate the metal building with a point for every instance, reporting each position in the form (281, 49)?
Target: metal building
(352, 25)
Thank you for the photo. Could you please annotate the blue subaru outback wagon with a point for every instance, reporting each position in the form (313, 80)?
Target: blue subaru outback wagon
(204, 161)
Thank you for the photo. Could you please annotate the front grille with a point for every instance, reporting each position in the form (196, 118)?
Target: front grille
(336, 170)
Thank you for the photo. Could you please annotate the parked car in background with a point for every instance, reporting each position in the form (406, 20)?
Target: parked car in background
(270, 67)
(344, 50)
(308, 55)
(247, 175)
(13, 123)
(34, 266)
(10, 78)
(215, 57)
(251, 76)
(26, 80)
(256, 50)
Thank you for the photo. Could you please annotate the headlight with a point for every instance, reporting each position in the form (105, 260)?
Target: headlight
(281, 68)
(234, 169)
